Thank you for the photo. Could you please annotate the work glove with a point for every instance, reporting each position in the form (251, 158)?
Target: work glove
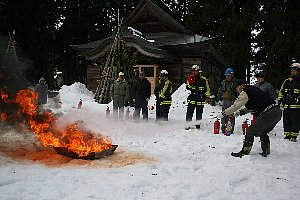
(218, 99)
(297, 99)
(206, 100)
(280, 103)
(239, 113)
(220, 103)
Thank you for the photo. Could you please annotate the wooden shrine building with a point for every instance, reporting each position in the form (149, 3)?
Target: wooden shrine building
(161, 42)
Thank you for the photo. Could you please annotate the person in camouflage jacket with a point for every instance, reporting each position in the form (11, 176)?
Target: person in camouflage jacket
(227, 95)
(119, 93)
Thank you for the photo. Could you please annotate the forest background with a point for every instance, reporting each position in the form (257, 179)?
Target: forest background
(262, 34)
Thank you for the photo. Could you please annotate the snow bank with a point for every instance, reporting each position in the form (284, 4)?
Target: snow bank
(180, 96)
(70, 95)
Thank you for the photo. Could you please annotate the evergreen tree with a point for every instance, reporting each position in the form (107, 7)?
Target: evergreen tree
(34, 24)
(46, 29)
(279, 38)
(230, 22)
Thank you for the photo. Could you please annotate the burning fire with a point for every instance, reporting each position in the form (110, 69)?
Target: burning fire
(75, 138)
(3, 116)
(3, 99)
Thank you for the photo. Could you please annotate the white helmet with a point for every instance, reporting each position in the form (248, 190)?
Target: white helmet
(121, 74)
(164, 72)
(195, 67)
(42, 79)
(295, 65)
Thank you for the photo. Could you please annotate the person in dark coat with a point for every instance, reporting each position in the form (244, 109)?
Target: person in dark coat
(142, 96)
(263, 107)
(42, 89)
(289, 98)
(264, 85)
(119, 93)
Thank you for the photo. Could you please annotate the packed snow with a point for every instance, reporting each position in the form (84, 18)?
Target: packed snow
(154, 160)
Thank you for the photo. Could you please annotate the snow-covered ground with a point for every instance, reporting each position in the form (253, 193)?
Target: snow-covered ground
(153, 160)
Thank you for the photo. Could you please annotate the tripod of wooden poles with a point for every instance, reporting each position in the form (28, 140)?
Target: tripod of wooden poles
(116, 61)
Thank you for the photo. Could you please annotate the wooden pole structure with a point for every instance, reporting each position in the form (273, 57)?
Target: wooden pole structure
(113, 65)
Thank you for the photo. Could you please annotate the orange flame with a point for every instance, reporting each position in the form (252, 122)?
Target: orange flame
(3, 99)
(3, 95)
(26, 99)
(75, 138)
(3, 116)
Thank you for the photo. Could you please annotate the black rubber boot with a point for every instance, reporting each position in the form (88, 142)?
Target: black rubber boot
(248, 143)
(293, 139)
(238, 154)
(287, 137)
(265, 145)
(263, 154)
(223, 129)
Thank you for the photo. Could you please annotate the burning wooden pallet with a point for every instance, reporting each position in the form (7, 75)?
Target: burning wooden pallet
(74, 141)
(91, 156)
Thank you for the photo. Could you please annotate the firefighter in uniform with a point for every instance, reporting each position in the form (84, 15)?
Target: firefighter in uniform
(227, 95)
(289, 98)
(163, 94)
(199, 87)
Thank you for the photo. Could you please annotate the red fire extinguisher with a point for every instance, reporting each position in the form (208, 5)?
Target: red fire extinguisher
(107, 112)
(229, 126)
(254, 118)
(127, 114)
(245, 125)
(150, 107)
(191, 79)
(217, 126)
(79, 104)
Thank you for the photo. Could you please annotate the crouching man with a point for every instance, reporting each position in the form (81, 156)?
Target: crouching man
(260, 104)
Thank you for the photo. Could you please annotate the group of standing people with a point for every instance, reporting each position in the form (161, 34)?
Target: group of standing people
(227, 93)
(196, 83)
(234, 95)
(120, 95)
(260, 101)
